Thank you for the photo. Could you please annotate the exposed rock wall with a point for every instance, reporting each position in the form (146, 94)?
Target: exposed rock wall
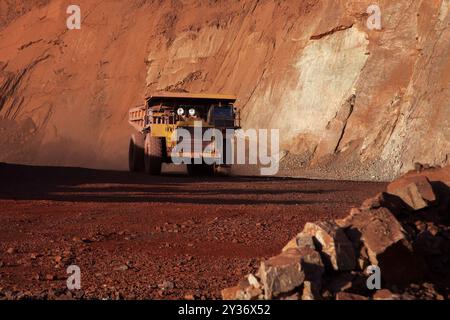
(11, 9)
(343, 96)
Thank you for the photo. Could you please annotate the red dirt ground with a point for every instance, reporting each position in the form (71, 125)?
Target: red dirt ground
(135, 236)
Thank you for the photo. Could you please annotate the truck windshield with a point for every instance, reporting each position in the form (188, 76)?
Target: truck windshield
(223, 113)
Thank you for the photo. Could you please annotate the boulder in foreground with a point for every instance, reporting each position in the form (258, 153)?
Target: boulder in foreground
(282, 273)
(247, 289)
(380, 234)
(336, 249)
(415, 191)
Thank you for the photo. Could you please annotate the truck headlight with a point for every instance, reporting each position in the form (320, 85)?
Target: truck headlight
(180, 111)
(192, 112)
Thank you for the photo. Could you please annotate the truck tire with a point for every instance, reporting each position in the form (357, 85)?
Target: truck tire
(201, 169)
(153, 155)
(136, 153)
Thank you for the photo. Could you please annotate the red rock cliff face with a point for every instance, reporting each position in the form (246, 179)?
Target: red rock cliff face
(369, 103)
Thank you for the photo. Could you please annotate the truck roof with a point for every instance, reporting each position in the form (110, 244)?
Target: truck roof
(191, 96)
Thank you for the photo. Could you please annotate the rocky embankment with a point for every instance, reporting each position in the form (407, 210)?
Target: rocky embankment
(405, 232)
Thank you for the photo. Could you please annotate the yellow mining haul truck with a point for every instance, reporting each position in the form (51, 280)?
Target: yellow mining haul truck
(164, 113)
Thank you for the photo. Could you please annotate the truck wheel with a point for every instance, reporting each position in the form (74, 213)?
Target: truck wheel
(192, 169)
(209, 169)
(153, 155)
(136, 153)
(201, 169)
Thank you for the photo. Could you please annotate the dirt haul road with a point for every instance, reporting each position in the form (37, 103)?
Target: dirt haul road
(135, 236)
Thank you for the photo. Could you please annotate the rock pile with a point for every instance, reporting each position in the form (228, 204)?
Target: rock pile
(404, 231)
